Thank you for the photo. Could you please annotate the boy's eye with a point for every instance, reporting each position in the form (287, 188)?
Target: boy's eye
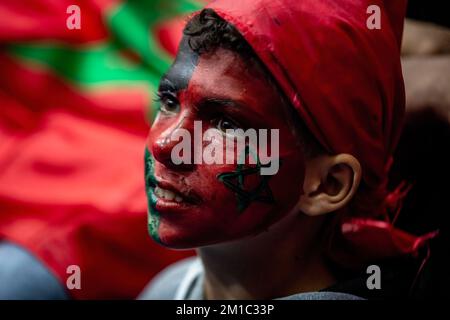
(169, 104)
(224, 124)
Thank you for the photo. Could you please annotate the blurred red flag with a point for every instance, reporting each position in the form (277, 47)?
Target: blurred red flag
(72, 131)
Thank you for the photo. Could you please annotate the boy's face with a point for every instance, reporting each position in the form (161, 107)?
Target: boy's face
(192, 205)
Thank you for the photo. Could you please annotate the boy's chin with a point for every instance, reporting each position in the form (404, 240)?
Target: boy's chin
(185, 241)
(180, 241)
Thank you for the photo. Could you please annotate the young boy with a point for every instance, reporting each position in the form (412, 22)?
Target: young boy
(330, 86)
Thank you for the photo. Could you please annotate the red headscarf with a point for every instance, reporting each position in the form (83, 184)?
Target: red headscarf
(343, 78)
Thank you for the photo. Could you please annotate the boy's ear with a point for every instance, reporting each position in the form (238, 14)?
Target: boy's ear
(330, 183)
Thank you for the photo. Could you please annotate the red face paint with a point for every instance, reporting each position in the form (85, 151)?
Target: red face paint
(195, 89)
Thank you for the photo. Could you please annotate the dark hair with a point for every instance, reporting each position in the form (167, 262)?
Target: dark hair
(207, 31)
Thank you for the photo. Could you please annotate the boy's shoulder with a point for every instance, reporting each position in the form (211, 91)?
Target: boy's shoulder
(167, 283)
(182, 280)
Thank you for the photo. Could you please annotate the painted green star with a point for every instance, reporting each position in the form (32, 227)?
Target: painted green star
(235, 181)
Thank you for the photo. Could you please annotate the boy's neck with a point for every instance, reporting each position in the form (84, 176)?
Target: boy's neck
(285, 260)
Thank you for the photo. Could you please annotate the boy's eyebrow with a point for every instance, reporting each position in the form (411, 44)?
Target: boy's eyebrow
(219, 102)
(166, 85)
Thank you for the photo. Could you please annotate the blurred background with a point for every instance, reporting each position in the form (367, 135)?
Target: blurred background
(75, 109)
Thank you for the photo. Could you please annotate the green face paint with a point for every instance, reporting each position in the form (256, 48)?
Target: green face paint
(150, 183)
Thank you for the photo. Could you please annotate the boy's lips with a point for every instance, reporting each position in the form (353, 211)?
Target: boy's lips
(168, 193)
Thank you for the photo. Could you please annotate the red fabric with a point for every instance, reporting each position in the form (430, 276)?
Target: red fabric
(372, 239)
(71, 163)
(30, 20)
(390, 241)
(74, 193)
(170, 33)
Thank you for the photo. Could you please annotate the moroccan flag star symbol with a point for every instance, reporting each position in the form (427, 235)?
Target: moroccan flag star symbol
(235, 180)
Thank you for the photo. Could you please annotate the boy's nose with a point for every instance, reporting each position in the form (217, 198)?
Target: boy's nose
(162, 150)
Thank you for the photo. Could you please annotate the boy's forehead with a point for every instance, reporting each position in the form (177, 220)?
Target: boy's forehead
(220, 73)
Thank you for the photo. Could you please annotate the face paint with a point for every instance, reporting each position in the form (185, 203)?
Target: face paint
(235, 181)
(193, 205)
(178, 76)
(150, 184)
